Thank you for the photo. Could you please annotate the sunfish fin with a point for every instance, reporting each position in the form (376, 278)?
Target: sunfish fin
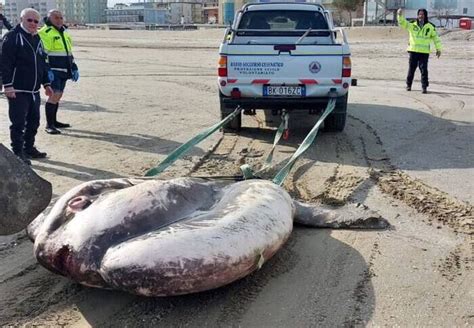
(351, 216)
(260, 260)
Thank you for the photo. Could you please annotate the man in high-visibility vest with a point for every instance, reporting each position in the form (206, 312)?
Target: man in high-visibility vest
(58, 46)
(422, 33)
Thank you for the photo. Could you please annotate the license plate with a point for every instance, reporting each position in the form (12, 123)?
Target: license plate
(284, 90)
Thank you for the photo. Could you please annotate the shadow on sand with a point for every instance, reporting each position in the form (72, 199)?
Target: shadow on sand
(405, 131)
(314, 280)
(136, 142)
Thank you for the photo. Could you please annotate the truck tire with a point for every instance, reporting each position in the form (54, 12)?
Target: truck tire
(236, 123)
(336, 121)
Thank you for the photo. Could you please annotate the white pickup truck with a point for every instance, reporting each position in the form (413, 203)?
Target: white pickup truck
(284, 56)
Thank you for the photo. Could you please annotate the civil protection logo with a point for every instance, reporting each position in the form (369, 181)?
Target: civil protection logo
(314, 67)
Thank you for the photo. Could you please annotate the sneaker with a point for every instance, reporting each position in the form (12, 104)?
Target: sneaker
(424, 90)
(408, 88)
(52, 130)
(62, 125)
(23, 158)
(35, 153)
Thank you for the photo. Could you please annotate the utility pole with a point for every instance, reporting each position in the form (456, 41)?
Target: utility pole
(366, 6)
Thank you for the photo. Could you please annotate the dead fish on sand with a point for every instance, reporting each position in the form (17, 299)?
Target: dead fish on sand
(172, 237)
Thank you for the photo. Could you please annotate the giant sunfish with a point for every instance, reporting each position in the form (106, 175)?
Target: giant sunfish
(171, 237)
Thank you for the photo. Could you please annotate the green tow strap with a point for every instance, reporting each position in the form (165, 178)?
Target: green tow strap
(278, 135)
(283, 173)
(184, 148)
(247, 171)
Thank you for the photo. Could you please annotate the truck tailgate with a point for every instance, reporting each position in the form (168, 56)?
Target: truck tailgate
(320, 63)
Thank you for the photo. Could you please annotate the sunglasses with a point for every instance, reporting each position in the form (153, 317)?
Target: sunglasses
(31, 20)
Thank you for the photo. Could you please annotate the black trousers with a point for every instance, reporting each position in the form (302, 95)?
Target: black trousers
(418, 60)
(24, 113)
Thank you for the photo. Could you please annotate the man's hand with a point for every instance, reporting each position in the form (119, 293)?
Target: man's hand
(438, 53)
(48, 91)
(10, 92)
(75, 75)
(399, 11)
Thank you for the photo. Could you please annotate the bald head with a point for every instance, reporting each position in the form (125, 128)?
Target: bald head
(56, 18)
(54, 11)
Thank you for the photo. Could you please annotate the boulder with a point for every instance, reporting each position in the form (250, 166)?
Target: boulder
(23, 194)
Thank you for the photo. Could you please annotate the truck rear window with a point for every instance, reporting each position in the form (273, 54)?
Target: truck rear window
(288, 22)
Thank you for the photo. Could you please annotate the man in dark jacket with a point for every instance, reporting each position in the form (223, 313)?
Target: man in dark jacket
(24, 69)
(57, 43)
(3, 23)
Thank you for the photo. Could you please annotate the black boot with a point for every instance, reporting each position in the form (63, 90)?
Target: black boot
(56, 122)
(34, 153)
(50, 118)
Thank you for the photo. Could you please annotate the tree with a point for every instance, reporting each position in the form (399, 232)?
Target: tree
(348, 5)
(446, 14)
(444, 4)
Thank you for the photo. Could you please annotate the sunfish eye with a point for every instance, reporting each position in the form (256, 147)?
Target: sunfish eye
(79, 203)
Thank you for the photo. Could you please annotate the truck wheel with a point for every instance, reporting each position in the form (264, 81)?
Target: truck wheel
(336, 121)
(235, 124)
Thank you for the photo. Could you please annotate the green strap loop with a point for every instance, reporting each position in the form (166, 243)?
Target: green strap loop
(283, 173)
(247, 170)
(184, 148)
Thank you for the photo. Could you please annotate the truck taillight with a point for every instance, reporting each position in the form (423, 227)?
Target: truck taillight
(222, 71)
(346, 66)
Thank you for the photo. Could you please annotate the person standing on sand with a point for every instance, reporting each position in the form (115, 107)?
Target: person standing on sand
(3, 23)
(24, 69)
(422, 33)
(58, 45)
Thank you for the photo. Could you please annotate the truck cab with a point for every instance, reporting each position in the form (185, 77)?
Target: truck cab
(284, 56)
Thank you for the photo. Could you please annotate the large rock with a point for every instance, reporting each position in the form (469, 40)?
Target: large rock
(23, 194)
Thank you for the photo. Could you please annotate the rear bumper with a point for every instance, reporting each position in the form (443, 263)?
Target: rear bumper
(308, 103)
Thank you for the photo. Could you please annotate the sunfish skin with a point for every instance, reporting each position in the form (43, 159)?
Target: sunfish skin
(160, 238)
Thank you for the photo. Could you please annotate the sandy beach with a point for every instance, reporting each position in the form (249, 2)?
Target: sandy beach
(407, 155)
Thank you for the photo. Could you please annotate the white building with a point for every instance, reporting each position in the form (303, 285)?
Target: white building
(75, 11)
(437, 10)
(13, 8)
(157, 12)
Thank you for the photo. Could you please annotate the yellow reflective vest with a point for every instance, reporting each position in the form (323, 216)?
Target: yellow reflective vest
(420, 38)
(58, 46)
